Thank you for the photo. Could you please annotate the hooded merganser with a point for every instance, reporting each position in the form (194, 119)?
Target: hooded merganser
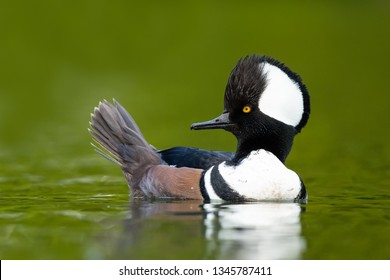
(266, 105)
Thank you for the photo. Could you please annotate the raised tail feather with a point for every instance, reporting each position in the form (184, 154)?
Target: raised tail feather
(121, 141)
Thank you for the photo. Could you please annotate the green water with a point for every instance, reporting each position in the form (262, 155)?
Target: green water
(168, 65)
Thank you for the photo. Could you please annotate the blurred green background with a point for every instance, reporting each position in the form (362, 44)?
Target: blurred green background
(167, 63)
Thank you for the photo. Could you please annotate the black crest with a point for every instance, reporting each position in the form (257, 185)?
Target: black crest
(246, 82)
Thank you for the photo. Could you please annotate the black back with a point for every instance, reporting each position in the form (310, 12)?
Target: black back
(194, 157)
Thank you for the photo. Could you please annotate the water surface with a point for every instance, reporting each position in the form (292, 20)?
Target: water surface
(92, 217)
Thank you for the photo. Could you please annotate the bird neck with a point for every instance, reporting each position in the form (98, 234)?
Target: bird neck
(278, 143)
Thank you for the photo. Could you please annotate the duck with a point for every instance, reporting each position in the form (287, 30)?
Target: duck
(265, 106)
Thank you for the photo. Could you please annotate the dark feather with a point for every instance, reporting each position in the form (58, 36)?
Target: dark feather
(121, 141)
(193, 157)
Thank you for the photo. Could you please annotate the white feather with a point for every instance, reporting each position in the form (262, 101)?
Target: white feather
(209, 188)
(261, 176)
(282, 99)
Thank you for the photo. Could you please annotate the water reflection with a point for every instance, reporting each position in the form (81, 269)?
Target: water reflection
(254, 231)
(228, 231)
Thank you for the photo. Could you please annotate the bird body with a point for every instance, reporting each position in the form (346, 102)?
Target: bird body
(265, 106)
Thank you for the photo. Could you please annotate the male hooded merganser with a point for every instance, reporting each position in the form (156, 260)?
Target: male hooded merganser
(265, 106)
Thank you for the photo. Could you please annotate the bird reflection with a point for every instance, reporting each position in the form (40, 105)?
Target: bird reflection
(230, 231)
(254, 230)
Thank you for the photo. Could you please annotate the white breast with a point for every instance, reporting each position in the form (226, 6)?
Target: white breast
(260, 176)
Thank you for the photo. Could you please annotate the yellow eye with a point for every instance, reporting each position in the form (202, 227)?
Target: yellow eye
(246, 109)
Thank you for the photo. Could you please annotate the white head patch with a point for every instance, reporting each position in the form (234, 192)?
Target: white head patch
(282, 99)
